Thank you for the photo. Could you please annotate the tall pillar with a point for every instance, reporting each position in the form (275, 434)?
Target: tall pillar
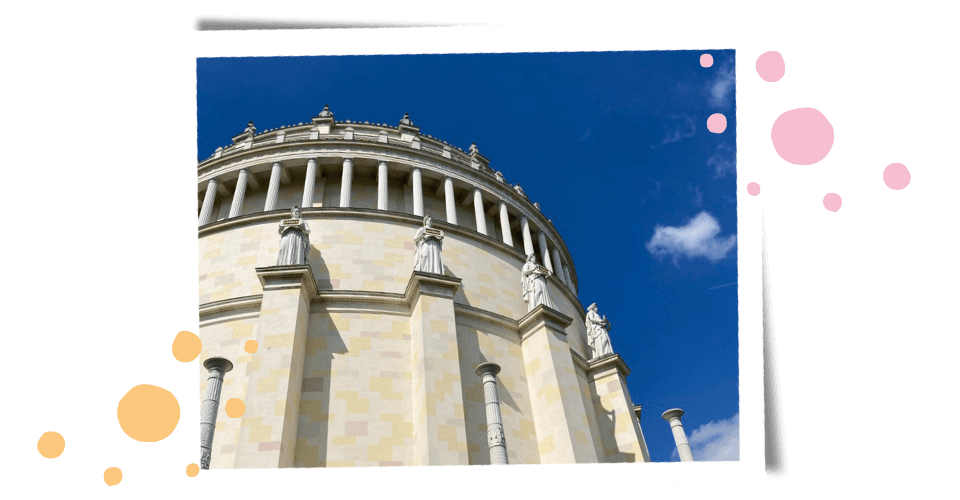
(478, 211)
(683, 447)
(495, 439)
(527, 239)
(382, 186)
(557, 268)
(542, 240)
(309, 183)
(566, 277)
(417, 181)
(208, 198)
(505, 224)
(237, 205)
(274, 190)
(346, 182)
(216, 368)
(451, 201)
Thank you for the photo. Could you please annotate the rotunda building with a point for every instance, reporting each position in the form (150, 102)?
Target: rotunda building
(380, 339)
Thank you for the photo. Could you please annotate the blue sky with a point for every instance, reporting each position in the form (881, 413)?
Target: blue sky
(613, 145)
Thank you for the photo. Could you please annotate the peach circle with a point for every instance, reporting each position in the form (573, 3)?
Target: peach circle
(896, 176)
(753, 188)
(148, 413)
(770, 66)
(186, 346)
(51, 444)
(802, 136)
(832, 202)
(112, 476)
(250, 346)
(717, 123)
(706, 60)
(235, 408)
(193, 470)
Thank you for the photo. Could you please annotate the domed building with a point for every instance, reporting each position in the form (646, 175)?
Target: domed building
(383, 339)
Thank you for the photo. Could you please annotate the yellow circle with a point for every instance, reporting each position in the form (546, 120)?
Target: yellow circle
(235, 408)
(186, 346)
(250, 346)
(193, 470)
(148, 413)
(51, 444)
(112, 476)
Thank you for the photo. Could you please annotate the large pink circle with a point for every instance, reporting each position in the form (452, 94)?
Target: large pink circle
(802, 136)
(717, 123)
(770, 66)
(832, 202)
(706, 60)
(753, 188)
(896, 176)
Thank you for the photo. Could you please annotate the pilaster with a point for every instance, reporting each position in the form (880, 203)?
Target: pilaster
(621, 437)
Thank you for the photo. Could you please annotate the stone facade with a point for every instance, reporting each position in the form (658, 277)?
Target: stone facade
(360, 360)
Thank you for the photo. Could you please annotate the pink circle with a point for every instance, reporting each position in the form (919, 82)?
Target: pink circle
(802, 136)
(770, 66)
(896, 176)
(753, 188)
(717, 123)
(706, 60)
(832, 202)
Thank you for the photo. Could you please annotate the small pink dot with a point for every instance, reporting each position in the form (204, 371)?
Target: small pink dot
(802, 136)
(706, 60)
(832, 202)
(770, 66)
(753, 188)
(717, 123)
(896, 176)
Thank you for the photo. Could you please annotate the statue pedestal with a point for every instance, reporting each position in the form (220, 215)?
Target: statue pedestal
(620, 434)
(268, 428)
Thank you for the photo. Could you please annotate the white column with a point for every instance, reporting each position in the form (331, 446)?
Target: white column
(216, 368)
(557, 268)
(495, 438)
(382, 186)
(566, 277)
(274, 190)
(478, 211)
(346, 182)
(208, 198)
(505, 224)
(527, 239)
(451, 201)
(542, 240)
(417, 181)
(683, 447)
(237, 205)
(309, 183)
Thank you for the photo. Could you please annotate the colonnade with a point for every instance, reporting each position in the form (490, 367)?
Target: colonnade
(548, 250)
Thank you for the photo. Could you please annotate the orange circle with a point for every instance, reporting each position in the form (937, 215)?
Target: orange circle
(51, 444)
(193, 470)
(250, 346)
(112, 476)
(186, 346)
(148, 413)
(235, 408)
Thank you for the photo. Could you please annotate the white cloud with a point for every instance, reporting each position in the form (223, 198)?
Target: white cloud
(681, 129)
(720, 87)
(698, 238)
(716, 441)
(724, 161)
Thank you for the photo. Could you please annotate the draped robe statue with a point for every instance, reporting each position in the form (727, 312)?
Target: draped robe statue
(533, 279)
(429, 244)
(598, 336)
(294, 240)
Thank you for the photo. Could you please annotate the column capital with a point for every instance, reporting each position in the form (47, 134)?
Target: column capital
(287, 277)
(671, 414)
(222, 364)
(488, 367)
(543, 316)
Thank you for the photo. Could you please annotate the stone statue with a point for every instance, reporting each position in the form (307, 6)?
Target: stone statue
(406, 120)
(598, 336)
(429, 242)
(533, 278)
(519, 190)
(250, 128)
(473, 148)
(294, 240)
(326, 112)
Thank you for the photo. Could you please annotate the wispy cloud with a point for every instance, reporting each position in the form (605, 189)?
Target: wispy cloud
(724, 161)
(720, 87)
(698, 238)
(680, 127)
(716, 441)
(697, 199)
